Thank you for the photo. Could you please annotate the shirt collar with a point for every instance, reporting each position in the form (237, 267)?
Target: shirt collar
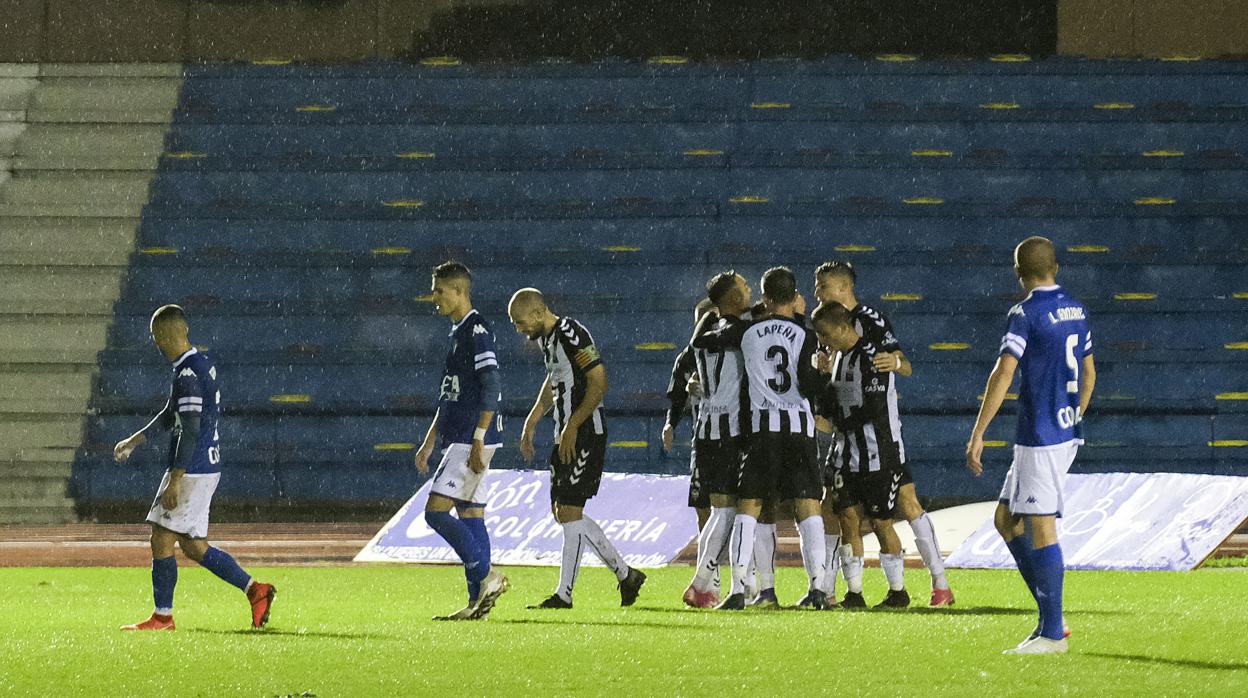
(462, 320)
(1043, 289)
(184, 357)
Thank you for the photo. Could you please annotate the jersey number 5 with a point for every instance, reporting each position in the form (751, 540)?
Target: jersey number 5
(782, 380)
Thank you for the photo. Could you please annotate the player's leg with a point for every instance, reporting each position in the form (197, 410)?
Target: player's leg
(893, 564)
(455, 482)
(719, 462)
(164, 580)
(831, 522)
(909, 508)
(851, 552)
(802, 483)
(259, 595)
(764, 560)
(741, 546)
(1049, 568)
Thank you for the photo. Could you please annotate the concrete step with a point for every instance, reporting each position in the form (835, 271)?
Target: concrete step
(33, 488)
(56, 391)
(51, 289)
(15, 92)
(102, 209)
(91, 141)
(10, 136)
(47, 510)
(41, 431)
(113, 70)
(19, 70)
(77, 188)
(52, 340)
(67, 241)
(96, 100)
(35, 470)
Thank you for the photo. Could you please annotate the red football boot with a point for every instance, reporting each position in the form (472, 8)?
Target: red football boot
(700, 599)
(261, 596)
(941, 597)
(156, 622)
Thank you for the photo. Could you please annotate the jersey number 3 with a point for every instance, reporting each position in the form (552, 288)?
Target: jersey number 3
(782, 380)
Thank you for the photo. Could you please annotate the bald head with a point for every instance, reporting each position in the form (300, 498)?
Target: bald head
(169, 330)
(529, 313)
(1035, 260)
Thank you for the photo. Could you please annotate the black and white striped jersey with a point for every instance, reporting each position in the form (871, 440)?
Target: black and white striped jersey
(780, 378)
(678, 396)
(720, 371)
(862, 403)
(569, 354)
(873, 326)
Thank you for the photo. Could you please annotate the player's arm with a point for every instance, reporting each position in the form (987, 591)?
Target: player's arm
(162, 422)
(1087, 383)
(728, 336)
(187, 440)
(812, 382)
(894, 361)
(491, 392)
(544, 403)
(426, 446)
(595, 390)
(994, 395)
(677, 395)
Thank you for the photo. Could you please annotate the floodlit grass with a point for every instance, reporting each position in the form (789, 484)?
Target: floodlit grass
(360, 631)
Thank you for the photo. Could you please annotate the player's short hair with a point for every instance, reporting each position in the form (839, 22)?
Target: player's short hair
(165, 315)
(1035, 258)
(720, 285)
(452, 271)
(836, 267)
(780, 285)
(833, 314)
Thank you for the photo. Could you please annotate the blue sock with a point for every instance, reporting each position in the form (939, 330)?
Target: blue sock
(1020, 548)
(462, 542)
(476, 526)
(164, 579)
(1050, 569)
(220, 563)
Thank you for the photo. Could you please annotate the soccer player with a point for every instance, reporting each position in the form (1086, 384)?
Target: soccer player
(717, 444)
(179, 514)
(470, 431)
(780, 458)
(834, 283)
(576, 382)
(679, 396)
(1048, 340)
(869, 456)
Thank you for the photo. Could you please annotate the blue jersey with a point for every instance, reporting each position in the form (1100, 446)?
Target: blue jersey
(462, 394)
(1048, 334)
(196, 393)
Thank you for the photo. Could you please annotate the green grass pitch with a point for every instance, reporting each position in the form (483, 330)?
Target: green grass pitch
(363, 631)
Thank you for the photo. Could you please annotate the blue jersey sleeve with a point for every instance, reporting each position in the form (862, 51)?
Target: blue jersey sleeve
(484, 357)
(1017, 332)
(188, 392)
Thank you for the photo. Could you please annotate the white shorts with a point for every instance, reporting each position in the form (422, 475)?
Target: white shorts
(454, 479)
(1034, 485)
(190, 517)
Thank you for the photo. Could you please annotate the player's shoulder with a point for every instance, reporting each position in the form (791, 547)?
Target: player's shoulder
(871, 314)
(572, 330)
(478, 324)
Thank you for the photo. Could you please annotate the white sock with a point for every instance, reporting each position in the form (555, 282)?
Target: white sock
(725, 563)
(929, 550)
(741, 550)
(814, 555)
(851, 567)
(832, 563)
(573, 544)
(765, 555)
(606, 551)
(894, 566)
(711, 544)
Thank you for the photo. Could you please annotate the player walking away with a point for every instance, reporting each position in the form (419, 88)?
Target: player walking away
(868, 458)
(470, 432)
(717, 443)
(1048, 338)
(678, 396)
(834, 283)
(576, 382)
(179, 513)
(777, 352)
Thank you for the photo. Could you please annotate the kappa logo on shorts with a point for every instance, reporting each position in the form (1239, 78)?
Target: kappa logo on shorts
(578, 470)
